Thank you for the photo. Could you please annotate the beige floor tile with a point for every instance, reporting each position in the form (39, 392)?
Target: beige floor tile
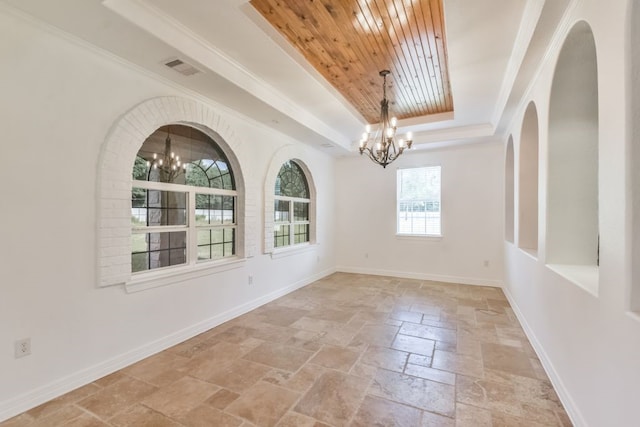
(54, 405)
(239, 375)
(508, 359)
(471, 416)
(21, 420)
(333, 398)
(488, 395)
(175, 400)
(293, 419)
(386, 358)
(413, 344)
(263, 404)
(117, 397)
(430, 374)
(68, 415)
(458, 363)
(222, 398)
(429, 332)
(206, 416)
(430, 419)
(160, 370)
(418, 392)
(141, 416)
(349, 349)
(406, 316)
(376, 411)
(380, 335)
(334, 357)
(279, 356)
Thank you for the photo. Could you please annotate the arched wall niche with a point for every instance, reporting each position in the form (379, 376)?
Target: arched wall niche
(509, 189)
(528, 182)
(634, 167)
(572, 234)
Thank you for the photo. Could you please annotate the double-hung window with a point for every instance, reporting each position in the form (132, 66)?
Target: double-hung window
(418, 201)
(291, 206)
(183, 201)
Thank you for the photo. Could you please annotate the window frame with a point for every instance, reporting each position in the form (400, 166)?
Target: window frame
(292, 221)
(399, 200)
(191, 227)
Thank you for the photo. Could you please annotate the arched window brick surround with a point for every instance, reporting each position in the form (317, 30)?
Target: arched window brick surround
(114, 178)
(284, 154)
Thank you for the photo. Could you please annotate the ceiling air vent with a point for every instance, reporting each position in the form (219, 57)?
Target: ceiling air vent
(182, 67)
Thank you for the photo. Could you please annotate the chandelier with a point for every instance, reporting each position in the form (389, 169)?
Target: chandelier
(386, 150)
(169, 163)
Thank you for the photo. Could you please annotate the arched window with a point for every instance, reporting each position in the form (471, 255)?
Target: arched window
(183, 201)
(291, 206)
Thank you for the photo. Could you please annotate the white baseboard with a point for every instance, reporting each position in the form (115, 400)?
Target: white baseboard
(31, 399)
(569, 405)
(422, 276)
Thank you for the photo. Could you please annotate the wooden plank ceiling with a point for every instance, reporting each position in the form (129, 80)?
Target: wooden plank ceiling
(350, 41)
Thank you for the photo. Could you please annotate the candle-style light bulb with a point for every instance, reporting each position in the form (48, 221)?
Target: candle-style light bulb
(401, 143)
(155, 156)
(365, 136)
(394, 121)
(368, 128)
(148, 163)
(409, 136)
(172, 154)
(389, 132)
(160, 162)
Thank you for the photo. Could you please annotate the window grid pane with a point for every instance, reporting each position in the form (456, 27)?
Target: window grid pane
(155, 207)
(281, 236)
(281, 211)
(301, 233)
(216, 243)
(157, 250)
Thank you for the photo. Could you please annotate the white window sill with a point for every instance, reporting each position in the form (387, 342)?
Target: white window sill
(164, 277)
(433, 237)
(583, 276)
(292, 250)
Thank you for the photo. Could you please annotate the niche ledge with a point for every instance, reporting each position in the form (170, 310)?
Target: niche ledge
(583, 276)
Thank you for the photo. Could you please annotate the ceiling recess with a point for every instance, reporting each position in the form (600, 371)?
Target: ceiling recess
(349, 42)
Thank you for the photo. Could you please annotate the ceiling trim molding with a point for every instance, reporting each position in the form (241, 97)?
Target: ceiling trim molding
(526, 29)
(553, 49)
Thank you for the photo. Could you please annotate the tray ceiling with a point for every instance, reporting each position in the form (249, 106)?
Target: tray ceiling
(349, 41)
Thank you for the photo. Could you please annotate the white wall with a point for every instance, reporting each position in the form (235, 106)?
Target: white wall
(472, 217)
(590, 344)
(59, 101)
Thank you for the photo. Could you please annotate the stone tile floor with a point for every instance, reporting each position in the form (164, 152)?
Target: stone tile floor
(347, 350)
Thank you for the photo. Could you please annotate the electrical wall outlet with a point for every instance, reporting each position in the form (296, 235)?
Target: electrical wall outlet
(22, 348)
(250, 279)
